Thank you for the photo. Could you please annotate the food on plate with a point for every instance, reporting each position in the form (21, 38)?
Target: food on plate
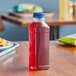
(4, 43)
(27, 8)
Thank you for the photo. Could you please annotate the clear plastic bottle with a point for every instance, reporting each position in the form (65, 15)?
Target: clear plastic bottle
(39, 43)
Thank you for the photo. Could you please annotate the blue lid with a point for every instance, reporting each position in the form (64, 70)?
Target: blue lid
(38, 15)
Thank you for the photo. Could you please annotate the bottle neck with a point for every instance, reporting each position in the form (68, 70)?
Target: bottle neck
(39, 19)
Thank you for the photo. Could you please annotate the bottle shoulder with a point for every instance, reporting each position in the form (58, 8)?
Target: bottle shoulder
(45, 25)
(39, 27)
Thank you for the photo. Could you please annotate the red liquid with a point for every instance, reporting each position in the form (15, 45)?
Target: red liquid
(38, 46)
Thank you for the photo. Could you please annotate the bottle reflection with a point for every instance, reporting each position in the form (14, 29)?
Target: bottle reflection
(39, 73)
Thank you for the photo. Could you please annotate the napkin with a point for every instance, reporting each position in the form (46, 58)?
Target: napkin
(69, 39)
(5, 51)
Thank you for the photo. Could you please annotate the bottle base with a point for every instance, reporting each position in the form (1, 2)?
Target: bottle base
(39, 68)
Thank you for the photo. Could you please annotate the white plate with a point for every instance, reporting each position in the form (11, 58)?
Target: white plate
(25, 15)
(11, 44)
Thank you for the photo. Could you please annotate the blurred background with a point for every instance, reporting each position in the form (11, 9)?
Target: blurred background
(16, 33)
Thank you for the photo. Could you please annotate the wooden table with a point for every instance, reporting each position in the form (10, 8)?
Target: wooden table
(1, 24)
(54, 22)
(62, 61)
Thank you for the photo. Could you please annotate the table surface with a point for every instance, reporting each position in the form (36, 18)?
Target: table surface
(62, 61)
(51, 21)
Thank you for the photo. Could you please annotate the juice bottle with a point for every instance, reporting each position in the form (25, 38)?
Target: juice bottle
(38, 43)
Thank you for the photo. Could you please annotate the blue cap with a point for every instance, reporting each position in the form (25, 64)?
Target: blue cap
(38, 15)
